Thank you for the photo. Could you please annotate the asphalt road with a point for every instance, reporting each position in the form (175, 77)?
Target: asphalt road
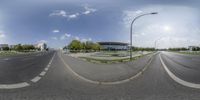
(60, 83)
(186, 67)
(20, 68)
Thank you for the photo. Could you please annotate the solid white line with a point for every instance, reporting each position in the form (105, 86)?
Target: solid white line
(42, 73)
(36, 79)
(106, 83)
(178, 80)
(14, 86)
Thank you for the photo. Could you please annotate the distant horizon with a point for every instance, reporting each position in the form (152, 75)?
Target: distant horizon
(101, 41)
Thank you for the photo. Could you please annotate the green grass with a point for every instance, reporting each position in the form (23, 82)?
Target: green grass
(7, 53)
(192, 53)
(108, 61)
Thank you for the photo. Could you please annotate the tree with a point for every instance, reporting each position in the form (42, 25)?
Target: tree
(142, 49)
(5, 48)
(28, 47)
(95, 46)
(178, 49)
(18, 47)
(88, 45)
(75, 45)
(65, 47)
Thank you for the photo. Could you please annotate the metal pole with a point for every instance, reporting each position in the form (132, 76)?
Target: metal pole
(131, 30)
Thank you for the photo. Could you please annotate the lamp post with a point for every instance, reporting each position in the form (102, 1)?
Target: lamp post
(131, 30)
(155, 43)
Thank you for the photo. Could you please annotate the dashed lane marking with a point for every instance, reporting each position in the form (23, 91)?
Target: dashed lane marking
(25, 84)
(42, 73)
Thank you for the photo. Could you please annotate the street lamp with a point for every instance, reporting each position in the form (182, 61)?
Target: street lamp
(131, 30)
(155, 43)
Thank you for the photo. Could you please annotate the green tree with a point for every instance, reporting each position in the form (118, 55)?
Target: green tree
(18, 47)
(75, 45)
(28, 47)
(88, 45)
(6, 48)
(95, 46)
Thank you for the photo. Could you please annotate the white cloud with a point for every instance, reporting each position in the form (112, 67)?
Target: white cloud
(138, 12)
(73, 16)
(55, 31)
(54, 38)
(180, 24)
(84, 39)
(76, 38)
(64, 36)
(63, 13)
(42, 41)
(2, 35)
(90, 39)
(67, 35)
(88, 10)
(58, 13)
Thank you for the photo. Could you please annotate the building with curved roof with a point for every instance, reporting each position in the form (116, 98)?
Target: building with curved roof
(113, 45)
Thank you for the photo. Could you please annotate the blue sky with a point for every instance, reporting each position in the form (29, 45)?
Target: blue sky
(58, 22)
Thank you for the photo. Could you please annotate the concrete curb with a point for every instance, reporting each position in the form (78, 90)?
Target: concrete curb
(106, 83)
(177, 79)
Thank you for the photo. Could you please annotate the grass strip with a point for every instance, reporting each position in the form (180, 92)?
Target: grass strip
(108, 61)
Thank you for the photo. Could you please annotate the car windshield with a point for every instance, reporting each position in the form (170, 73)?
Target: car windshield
(99, 50)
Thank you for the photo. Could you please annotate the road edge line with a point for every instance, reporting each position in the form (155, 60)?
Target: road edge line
(177, 79)
(108, 83)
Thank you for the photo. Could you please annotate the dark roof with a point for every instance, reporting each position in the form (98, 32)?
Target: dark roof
(112, 43)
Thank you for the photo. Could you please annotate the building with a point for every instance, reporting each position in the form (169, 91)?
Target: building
(113, 45)
(3, 46)
(12, 46)
(41, 46)
(193, 48)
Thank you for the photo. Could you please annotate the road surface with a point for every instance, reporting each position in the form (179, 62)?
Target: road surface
(60, 83)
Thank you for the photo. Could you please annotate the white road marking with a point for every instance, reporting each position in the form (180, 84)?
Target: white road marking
(42, 73)
(177, 79)
(6, 59)
(14, 86)
(36, 79)
(106, 83)
(25, 84)
(46, 69)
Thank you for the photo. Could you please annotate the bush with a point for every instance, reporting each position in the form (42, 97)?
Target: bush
(5, 48)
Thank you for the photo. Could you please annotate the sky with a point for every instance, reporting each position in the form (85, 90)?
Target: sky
(57, 22)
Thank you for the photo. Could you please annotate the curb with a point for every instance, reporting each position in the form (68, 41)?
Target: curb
(177, 79)
(107, 83)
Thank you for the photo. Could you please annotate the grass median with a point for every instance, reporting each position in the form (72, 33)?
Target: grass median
(8, 53)
(189, 52)
(109, 61)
